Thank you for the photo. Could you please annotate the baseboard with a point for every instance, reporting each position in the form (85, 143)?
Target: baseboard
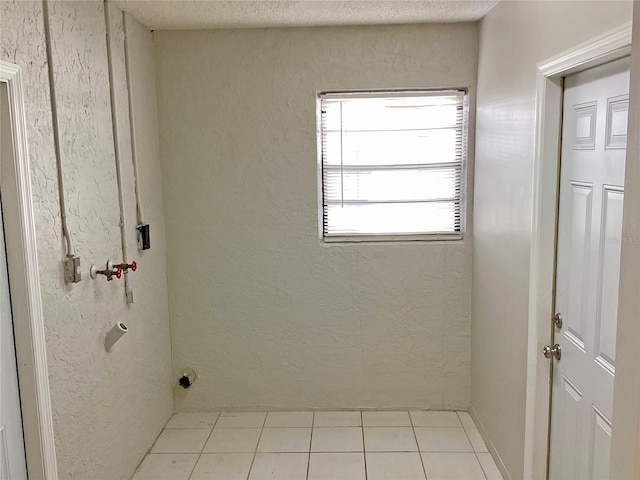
(324, 408)
(492, 448)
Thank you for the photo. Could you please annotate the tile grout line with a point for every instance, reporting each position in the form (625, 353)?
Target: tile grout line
(481, 467)
(255, 452)
(203, 446)
(313, 420)
(415, 435)
(472, 447)
(364, 449)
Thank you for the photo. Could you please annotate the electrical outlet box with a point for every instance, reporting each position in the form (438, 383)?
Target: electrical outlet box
(128, 293)
(144, 237)
(72, 270)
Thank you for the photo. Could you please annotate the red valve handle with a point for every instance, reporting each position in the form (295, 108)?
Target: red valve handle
(118, 273)
(126, 266)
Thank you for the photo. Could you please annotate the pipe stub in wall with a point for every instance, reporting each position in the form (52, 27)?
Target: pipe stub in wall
(116, 332)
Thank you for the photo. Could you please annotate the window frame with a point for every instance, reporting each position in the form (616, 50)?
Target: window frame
(438, 237)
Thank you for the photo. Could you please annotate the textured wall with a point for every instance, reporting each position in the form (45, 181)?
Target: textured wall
(268, 314)
(514, 37)
(107, 408)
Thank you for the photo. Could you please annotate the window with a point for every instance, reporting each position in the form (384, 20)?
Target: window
(392, 164)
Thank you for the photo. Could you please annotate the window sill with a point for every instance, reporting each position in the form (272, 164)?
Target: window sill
(450, 237)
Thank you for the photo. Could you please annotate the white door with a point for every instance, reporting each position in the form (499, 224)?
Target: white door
(12, 455)
(587, 269)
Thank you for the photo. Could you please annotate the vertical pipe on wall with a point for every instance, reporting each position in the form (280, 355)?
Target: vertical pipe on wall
(132, 123)
(116, 149)
(56, 131)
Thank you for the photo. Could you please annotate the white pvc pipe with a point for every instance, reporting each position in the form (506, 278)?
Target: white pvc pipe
(128, 291)
(56, 133)
(118, 330)
(132, 122)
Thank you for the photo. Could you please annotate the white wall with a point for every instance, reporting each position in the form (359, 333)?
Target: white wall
(514, 37)
(625, 450)
(266, 313)
(107, 408)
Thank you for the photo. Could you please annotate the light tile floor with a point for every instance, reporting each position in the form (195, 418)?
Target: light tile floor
(346, 445)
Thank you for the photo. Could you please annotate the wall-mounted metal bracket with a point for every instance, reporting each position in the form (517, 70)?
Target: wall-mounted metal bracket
(557, 320)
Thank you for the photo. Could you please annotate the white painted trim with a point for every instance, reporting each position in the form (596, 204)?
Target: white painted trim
(26, 297)
(419, 237)
(489, 443)
(584, 55)
(606, 47)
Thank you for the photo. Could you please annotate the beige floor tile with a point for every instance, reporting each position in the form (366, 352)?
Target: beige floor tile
(285, 440)
(394, 466)
(336, 443)
(489, 466)
(232, 440)
(280, 466)
(452, 466)
(181, 440)
(193, 420)
(467, 421)
(476, 440)
(336, 466)
(166, 467)
(222, 466)
(422, 418)
(386, 419)
(442, 439)
(241, 420)
(337, 419)
(289, 419)
(337, 439)
(389, 439)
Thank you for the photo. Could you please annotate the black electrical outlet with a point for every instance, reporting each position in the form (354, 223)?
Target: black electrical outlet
(144, 237)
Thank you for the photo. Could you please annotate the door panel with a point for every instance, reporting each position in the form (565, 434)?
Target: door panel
(572, 401)
(580, 231)
(609, 278)
(587, 269)
(12, 455)
(600, 446)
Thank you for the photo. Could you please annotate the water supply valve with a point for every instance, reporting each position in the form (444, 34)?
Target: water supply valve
(109, 272)
(126, 266)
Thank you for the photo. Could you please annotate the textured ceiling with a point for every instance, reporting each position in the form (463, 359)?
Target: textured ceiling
(198, 14)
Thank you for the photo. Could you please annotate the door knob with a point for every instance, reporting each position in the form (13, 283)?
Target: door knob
(549, 352)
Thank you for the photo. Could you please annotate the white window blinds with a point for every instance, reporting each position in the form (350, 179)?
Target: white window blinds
(393, 163)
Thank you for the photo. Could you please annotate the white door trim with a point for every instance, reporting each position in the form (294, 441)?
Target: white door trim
(606, 47)
(25, 294)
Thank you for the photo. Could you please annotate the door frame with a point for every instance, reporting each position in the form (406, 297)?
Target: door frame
(546, 174)
(26, 299)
